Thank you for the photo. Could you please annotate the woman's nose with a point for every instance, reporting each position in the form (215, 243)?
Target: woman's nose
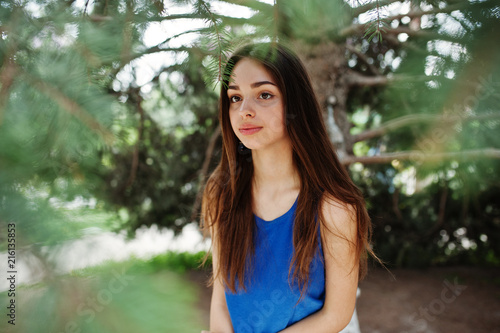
(247, 109)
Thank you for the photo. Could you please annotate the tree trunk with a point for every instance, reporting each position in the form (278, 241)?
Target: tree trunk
(327, 66)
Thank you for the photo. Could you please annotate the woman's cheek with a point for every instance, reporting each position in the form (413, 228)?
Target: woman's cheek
(276, 124)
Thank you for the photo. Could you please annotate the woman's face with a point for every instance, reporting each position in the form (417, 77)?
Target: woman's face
(256, 107)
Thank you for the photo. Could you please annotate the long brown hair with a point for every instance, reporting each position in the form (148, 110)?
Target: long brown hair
(227, 199)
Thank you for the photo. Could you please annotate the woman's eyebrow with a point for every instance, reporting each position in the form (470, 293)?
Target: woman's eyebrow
(253, 85)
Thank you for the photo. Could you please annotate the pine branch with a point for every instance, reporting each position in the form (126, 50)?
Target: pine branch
(253, 4)
(158, 48)
(375, 29)
(417, 33)
(372, 5)
(404, 121)
(393, 40)
(86, 7)
(353, 29)
(70, 106)
(219, 42)
(421, 156)
(201, 31)
(360, 28)
(153, 49)
(227, 20)
(127, 32)
(425, 34)
(217, 45)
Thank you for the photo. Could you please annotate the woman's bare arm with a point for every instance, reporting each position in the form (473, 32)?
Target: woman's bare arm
(220, 321)
(341, 272)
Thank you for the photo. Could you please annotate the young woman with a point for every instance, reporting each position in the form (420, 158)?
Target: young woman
(289, 229)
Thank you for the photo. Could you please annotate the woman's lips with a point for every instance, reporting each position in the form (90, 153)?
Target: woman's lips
(250, 130)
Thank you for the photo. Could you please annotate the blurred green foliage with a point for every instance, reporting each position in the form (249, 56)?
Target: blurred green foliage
(431, 210)
(414, 230)
(132, 296)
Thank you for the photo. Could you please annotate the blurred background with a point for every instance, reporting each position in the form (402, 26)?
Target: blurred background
(108, 129)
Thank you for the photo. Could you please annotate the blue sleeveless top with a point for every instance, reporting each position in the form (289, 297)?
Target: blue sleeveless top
(270, 303)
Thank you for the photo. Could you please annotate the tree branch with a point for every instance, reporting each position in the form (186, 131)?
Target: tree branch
(423, 33)
(253, 4)
(127, 33)
(100, 18)
(220, 43)
(151, 50)
(441, 213)
(419, 13)
(404, 121)
(395, 204)
(364, 58)
(204, 172)
(140, 131)
(421, 156)
(372, 5)
(201, 30)
(70, 106)
(356, 79)
(225, 19)
(158, 48)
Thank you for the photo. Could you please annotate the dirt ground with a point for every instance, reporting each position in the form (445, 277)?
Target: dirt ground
(434, 300)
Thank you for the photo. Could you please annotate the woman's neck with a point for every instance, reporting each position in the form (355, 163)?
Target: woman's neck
(274, 171)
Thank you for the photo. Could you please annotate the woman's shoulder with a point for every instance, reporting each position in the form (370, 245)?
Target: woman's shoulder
(338, 215)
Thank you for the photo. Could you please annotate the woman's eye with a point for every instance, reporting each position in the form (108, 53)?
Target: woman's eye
(234, 99)
(266, 96)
